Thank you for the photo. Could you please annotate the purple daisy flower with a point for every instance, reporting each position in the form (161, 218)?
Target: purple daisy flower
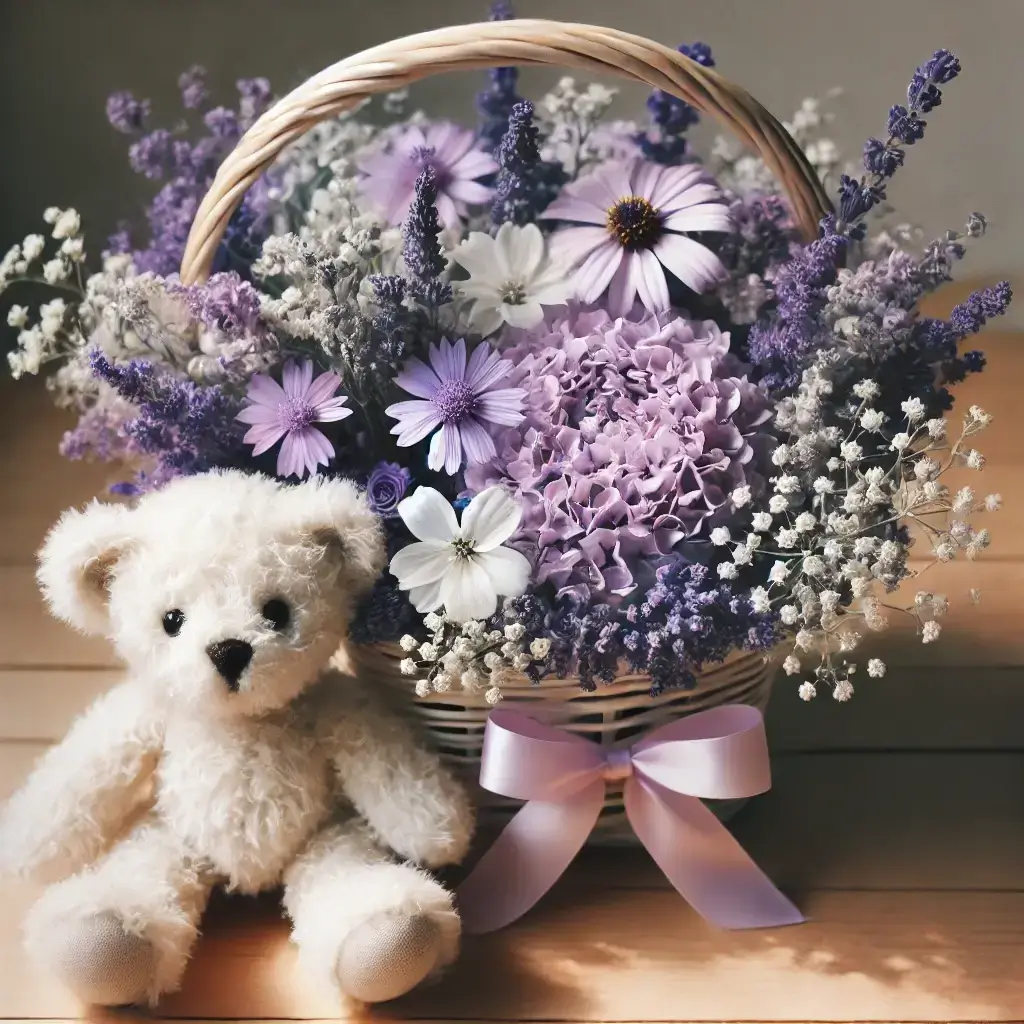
(639, 210)
(458, 398)
(391, 173)
(288, 410)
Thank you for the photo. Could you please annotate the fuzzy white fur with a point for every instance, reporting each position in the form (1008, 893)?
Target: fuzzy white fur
(173, 783)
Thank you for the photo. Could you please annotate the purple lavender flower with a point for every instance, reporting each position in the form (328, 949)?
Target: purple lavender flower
(905, 125)
(385, 487)
(125, 113)
(971, 315)
(192, 83)
(634, 436)
(526, 184)
(288, 410)
(494, 103)
(421, 250)
(391, 174)
(457, 398)
(225, 303)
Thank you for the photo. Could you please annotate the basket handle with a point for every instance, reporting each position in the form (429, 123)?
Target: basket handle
(493, 44)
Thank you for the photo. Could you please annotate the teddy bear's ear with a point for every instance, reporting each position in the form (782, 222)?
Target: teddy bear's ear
(334, 513)
(76, 563)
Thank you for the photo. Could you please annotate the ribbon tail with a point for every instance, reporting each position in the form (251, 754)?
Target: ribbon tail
(528, 857)
(702, 860)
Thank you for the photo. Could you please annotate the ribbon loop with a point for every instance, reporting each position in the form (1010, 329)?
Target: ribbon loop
(720, 753)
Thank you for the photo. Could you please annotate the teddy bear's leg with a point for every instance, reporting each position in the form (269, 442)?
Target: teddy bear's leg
(369, 926)
(121, 931)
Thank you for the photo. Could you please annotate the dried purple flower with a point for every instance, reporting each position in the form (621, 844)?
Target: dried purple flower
(125, 113)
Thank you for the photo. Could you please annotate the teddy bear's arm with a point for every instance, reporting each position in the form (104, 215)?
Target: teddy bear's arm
(83, 790)
(411, 800)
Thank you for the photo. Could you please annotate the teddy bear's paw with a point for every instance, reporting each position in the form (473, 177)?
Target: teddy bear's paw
(101, 962)
(390, 954)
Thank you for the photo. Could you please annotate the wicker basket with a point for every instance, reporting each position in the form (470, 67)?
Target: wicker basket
(612, 713)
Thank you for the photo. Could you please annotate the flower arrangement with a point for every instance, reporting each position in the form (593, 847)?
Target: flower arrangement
(611, 408)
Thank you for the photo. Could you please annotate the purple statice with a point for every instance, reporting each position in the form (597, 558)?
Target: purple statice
(192, 83)
(186, 167)
(183, 427)
(781, 345)
(635, 435)
(125, 113)
(225, 303)
(391, 321)
(970, 316)
(421, 248)
(526, 184)
(671, 118)
(763, 235)
(385, 488)
(495, 102)
(99, 434)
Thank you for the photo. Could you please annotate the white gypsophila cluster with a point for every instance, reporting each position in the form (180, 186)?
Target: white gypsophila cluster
(468, 655)
(742, 173)
(831, 533)
(572, 129)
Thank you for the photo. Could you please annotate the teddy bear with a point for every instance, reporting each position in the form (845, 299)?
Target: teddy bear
(232, 754)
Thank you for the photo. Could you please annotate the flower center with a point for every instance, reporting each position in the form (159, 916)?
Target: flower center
(513, 292)
(463, 549)
(635, 223)
(297, 414)
(454, 400)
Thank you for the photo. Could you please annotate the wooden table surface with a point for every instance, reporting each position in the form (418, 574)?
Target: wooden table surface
(896, 822)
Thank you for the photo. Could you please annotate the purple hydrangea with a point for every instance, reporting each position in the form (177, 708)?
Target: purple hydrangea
(385, 488)
(635, 434)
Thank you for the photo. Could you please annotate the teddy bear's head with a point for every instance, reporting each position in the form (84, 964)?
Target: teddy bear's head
(228, 591)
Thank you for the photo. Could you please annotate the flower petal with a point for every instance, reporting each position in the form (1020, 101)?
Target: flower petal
(651, 282)
(594, 276)
(486, 368)
(263, 436)
(412, 427)
(622, 290)
(475, 164)
(288, 456)
(674, 184)
(429, 516)
(296, 377)
(525, 315)
(256, 413)
(447, 211)
(491, 518)
(476, 254)
(468, 191)
(417, 378)
(322, 388)
(571, 246)
(319, 449)
(332, 410)
(478, 444)
(420, 563)
(446, 449)
(503, 407)
(645, 177)
(694, 264)
(264, 390)
(467, 593)
(426, 598)
(485, 318)
(508, 570)
(448, 360)
(581, 211)
(703, 217)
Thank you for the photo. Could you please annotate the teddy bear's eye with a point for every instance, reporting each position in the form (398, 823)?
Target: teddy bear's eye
(173, 621)
(277, 613)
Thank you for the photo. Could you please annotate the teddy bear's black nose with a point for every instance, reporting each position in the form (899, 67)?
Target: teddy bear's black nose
(231, 658)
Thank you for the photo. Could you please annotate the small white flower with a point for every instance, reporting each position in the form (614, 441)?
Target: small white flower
(474, 629)
(804, 640)
(930, 632)
(933, 490)
(462, 567)
(511, 277)
(833, 550)
(473, 679)
(993, 502)
(509, 650)
(67, 224)
(408, 667)
(741, 496)
(787, 484)
(823, 485)
(833, 464)
(787, 539)
(829, 600)
(849, 640)
(940, 605)
(814, 565)
(17, 316)
(540, 648)
(876, 668)
(913, 409)
(753, 541)
(791, 665)
(843, 691)
(742, 555)
(55, 271)
(73, 249)
(720, 535)
(760, 602)
(727, 571)
(777, 503)
(864, 546)
(790, 614)
(936, 429)
(433, 621)
(866, 389)
(945, 551)
(781, 455)
(493, 695)
(963, 501)
(50, 214)
(805, 522)
(974, 459)
(978, 415)
(900, 442)
(428, 652)
(872, 419)
(926, 469)
(422, 687)
(515, 631)
(807, 691)
(851, 451)
(32, 247)
(408, 643)
(493, 660)
(521, 661)
(762, 521)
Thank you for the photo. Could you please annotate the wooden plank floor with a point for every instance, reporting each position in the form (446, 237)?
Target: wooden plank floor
(897, 822)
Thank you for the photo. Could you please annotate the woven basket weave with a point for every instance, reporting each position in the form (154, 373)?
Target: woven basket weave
(611, 714)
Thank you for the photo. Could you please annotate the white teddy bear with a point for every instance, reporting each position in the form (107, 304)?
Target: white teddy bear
(230, 755)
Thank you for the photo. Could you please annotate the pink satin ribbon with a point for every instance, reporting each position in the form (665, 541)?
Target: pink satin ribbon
(717, 754)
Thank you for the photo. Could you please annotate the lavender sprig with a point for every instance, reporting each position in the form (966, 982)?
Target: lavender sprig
(495, 102)
(424, 259)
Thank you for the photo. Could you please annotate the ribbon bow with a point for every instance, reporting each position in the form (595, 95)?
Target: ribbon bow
(721, 753)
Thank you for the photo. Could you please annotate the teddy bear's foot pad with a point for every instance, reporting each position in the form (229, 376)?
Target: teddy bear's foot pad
(388, 955)
(101, 962)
